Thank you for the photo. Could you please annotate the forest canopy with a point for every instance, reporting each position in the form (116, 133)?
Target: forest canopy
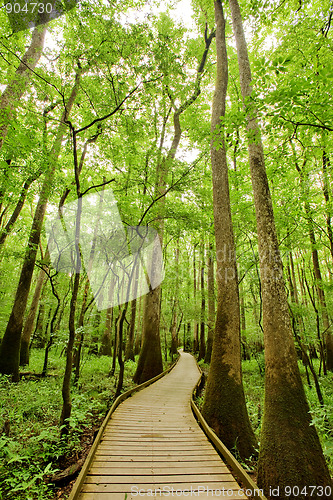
(166, 181)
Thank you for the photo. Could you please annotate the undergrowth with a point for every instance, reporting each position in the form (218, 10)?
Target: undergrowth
(253, 380)
(30, 447)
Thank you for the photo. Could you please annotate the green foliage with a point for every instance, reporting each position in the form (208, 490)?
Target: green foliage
(32, 451)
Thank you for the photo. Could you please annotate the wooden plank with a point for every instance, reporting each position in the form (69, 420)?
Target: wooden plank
(153, 441)
(135, 469)
(154, 436)
(156, 445)
(153, 446)
(199, 454)
(156, 459)
(162, 479)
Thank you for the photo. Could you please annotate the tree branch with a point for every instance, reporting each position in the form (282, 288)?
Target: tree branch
(97, 186)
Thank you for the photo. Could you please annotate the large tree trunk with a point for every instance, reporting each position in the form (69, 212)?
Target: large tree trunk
(10, 346)
(224, 405)
(290, 451)
(150, 359)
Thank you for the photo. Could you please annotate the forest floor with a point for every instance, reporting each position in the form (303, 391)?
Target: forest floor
(31, 453)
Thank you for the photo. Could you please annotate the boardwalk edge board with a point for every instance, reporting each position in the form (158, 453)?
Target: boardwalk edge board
(80, 480)
(217, 443)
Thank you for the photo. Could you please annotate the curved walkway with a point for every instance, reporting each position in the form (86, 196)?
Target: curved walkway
(153, 447)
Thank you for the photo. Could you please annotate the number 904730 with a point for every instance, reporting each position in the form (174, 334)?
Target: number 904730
(28, 7)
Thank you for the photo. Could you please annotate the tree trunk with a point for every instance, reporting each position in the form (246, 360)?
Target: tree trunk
(328, 362)
(137, 342)
(196, 324)
(174, 330)
(290, 451)
(66, 392)
(115, 348)
(105, 349)
(328, 334)
(17, 210)
(224, 406)
(66, 384)
(174, 340)
(10, 346)
(150, 359)
(39, 336)
(327, 191)
(14, 91)
(29, 323)
(129, 352)
(202, 348)
(120, 328)
(79, 344)
(151, 324)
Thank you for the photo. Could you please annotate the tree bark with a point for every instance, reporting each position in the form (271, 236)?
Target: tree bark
(202, 348)
(196, 324)
(105, 349)
(29, 323)
(129, 352)
(290, 451)
(10, 346)
(211, 303)
(120, 328)
(174, 330)
(224, 406)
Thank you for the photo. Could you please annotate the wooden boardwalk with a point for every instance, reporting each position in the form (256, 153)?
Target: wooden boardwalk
(153, 447)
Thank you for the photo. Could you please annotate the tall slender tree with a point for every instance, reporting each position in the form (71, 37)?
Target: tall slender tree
(150, 359)
(290, 451)
(224, 405)
(10, 345)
